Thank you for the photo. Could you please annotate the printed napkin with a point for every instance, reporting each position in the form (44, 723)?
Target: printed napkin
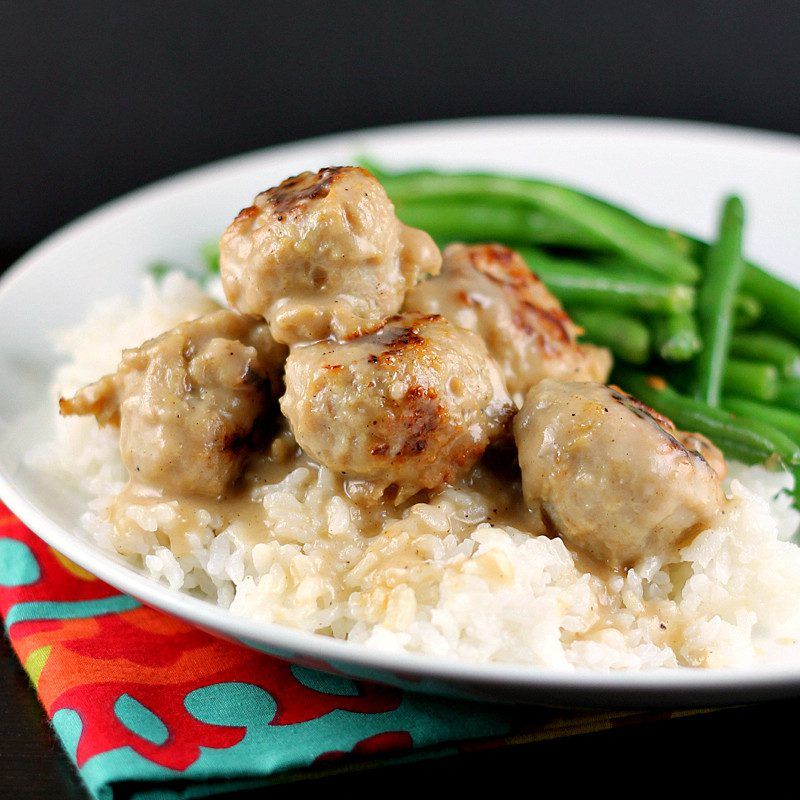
(141, 698)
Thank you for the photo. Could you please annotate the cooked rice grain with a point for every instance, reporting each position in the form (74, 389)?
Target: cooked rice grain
(438, 578)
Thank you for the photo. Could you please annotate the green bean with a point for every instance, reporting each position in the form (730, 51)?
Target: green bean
(788, 394)
(723, 273)
(753, 379)
(746, 311)
(616, 230)
(744, 439)
(158, 269)
(572, 281)
(576, 283)
(487, 222)
(780, 300)
(675, 337)
(761, 346)
(626, 337)
(210, 254)
(490, 207)
(672, 239)
(786, 421)
(378, 170)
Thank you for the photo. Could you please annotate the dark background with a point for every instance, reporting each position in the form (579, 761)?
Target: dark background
(97, 98)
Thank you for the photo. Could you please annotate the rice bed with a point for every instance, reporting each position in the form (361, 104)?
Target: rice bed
(438, 577)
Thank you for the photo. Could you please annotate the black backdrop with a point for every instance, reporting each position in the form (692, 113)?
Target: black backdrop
(99, 97)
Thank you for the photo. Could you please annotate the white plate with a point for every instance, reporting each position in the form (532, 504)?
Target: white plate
(672, 172)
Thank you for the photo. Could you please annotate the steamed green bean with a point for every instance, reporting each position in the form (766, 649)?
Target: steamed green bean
(747, 311)
(625, 336)
(491, 222)
(576, 284)
(755, 379)
(769, 347)
(675, 337)
(723, 271)
(618, 231)
(780, 418)
(788, 394)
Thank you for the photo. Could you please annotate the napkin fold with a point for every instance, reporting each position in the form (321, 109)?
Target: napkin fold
(143, 700)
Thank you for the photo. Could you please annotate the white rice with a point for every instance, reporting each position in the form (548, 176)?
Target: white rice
(439, 578)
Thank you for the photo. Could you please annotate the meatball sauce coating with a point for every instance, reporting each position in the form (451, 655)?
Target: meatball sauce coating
(489, 290)
(321, 255)
(409, 407)
(188, 402)
(608, 474)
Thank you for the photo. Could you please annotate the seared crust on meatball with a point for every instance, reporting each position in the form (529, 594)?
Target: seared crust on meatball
(408, 407)
(321, 255)
(188, 402)
(608, 474)
(703, 446)
(490, 290)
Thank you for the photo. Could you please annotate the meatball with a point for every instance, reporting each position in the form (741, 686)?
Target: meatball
(188, 402)
(323, 254)
(702, 445)
(608, 475)
(489, 289)
(408, 407)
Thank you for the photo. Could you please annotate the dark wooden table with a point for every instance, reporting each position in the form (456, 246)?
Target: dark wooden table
(707, 751)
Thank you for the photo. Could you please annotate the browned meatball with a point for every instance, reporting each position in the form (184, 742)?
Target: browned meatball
(702, 445)
(608, 474)
(489, 289)
(323, 254)
(409, 407)
(187, 402)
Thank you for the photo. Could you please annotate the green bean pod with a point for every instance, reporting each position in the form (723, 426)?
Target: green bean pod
(747, 311)
(755, 379)
(677, 254)
(723, 273)
(786, 421)
(626, 337)
(788, 394)
(455, 220)
(675, 337)
(769, 347)
(780, 300)
(209, 252)
(615, 230)
(577, 283)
